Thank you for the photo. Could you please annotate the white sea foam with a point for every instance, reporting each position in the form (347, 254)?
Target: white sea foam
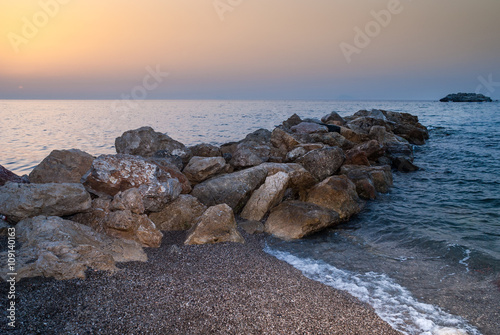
(392, 302)
(465, 259)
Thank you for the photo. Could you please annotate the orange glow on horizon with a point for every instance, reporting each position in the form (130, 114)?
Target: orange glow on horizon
(267, 41)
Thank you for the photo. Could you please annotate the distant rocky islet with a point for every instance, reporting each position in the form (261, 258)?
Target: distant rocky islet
(466, 97)
(302, 177)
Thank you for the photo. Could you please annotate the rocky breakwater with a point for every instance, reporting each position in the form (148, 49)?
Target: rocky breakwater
(300, 178)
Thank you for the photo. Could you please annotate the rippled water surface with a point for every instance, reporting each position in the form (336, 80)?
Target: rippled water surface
(426, 255)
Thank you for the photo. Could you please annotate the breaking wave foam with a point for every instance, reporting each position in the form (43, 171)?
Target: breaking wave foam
(392, 302)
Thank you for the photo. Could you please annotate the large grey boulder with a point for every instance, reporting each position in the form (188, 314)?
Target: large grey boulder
(362, 153)
(408, 127)
(322, 162)
(21, 201)
(253, 150)
(363, 124)
(266, 197)
(180, 214)
(53, 247)
(205, 150)
(201, 168)
(333, 118)
(300, 178)
(309, 128)
(353, 136)
(332, 139)
(122, 218)
(401, 156)
(282, 140)
(111, 174)
(233, 189)
(380, 175)
(171, 170)
(131, 199)
(369, 179)
(381, 134)
(337, 193)
(216, 225)
(146, 142)
(130, 226)
(291, 121)
(62, 166)
(295, 219)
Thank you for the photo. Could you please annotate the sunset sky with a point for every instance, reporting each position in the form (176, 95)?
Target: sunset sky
(248, 49)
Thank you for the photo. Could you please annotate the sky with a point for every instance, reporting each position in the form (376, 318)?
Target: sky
(248, 49)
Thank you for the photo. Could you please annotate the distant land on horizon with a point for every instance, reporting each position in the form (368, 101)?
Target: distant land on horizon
(339, 98)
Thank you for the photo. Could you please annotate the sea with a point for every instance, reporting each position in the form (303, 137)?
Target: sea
(425, 256)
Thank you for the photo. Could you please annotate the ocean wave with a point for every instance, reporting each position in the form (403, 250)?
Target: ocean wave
(391, 301)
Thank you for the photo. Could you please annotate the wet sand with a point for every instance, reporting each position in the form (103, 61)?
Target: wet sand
(210, 289)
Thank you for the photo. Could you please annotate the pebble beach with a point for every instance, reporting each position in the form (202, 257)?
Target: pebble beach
(228, 288)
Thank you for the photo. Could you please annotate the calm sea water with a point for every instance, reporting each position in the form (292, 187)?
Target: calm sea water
(425, 256)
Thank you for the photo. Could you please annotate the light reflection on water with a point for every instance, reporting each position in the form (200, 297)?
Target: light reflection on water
(30, 129)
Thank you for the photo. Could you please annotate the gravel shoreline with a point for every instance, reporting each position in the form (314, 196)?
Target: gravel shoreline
(225, 288)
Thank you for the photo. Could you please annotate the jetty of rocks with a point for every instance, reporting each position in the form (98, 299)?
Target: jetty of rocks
(76, 211)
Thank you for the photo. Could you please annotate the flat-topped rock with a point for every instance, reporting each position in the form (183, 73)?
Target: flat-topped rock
(62, 166)
(233, 189)
(146, 142)
(466, 97)
(295, 219)
(200, 168)
(53, 247)
(21, 201)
